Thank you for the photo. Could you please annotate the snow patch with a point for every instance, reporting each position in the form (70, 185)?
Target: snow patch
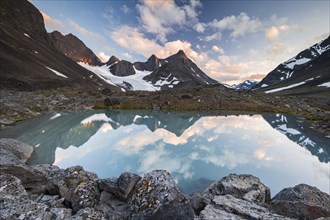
(283, 128)
(327, 84)
(35, 51)
(286, 87)
(292, 62)
(264, 85)
(97, 117)
(26, 35)
(135, 80)
(56, 72)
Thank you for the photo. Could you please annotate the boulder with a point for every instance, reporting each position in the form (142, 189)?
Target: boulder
(156, 196)
(302, 202)
(11, 185)
(112, 207)
(19, 149)
(120, 187)
(210, 213)
(241, 186)
(88, 213)
(32, 180)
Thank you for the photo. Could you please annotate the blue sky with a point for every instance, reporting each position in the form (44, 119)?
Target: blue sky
(229, 40)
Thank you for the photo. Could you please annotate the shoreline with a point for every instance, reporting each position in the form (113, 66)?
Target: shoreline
(47, 192)
(18, 106)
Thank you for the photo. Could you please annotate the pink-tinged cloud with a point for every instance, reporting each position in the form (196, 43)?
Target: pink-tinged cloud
(53, 24)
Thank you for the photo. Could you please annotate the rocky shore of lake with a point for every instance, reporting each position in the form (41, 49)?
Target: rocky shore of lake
(20, 105)
(48, 192)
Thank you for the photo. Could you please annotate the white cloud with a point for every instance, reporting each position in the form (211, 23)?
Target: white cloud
(83, 31)
(103, 57)
(215, 36)
(274, 32)
(160, 17)
(200, 27)
(127, 55)
(218, 49)
(53, 24)
(238, 25)
(276, 48)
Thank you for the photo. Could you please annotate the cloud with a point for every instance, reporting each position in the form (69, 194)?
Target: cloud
(218, 49)
(160, 17)
(274, 32)
(200, 27)
(53, 24)
(127, 55)
(238, 25)
(125, 9)
(103, 57)
(276, 48)
(83, 31)
(212, 37)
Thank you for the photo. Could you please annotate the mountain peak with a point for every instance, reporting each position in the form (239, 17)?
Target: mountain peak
(112, 60)
(152, 58)
(181, 54)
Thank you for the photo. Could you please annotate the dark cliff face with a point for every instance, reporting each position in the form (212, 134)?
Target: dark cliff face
(74, 48)
(112, 60)
(122, 68)
(28, 59)
(152, 64)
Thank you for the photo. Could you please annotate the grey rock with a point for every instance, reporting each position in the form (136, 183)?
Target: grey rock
(51, 201)
(61, 213)
(211, 213)
(19, 149)
(112, 207)
(122, 68)
(243, 208)
(156, 196)
(20, 207)
(241, 186)
(11, 185)
(88, 213)
(6, 122)
(32, 180)
(197, 202)
(53, 175)
(301, 201)
(120, 187)
(86, 194)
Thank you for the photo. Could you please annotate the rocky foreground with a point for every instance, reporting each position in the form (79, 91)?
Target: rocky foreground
(48, 192)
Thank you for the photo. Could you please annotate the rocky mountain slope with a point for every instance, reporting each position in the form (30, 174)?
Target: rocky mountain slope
(28, 58)
(305, 74)
(73, 48)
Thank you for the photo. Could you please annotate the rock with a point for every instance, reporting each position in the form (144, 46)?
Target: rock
(86, 194)
(301, 201)
(20, 207)
(52, 173)
(156, 196)
(197, 202)
(112, 207)
(122, 68)
(211, 213)
(11, 185)
(231, 206)
(6, 122)
(19, 149)
(32, 180)
(111, 101)
(241, 186)
(120, 187)
(51, 201)
(88, 213)
(61, 213)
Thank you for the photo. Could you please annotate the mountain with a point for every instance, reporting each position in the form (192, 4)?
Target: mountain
(176, 71)
(179, 72)
(152, 64)
(29, 60)
(305, 74)
(73, 48)
(246, 85)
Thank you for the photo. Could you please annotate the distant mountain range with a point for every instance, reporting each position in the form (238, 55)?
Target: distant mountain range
(306, 73)
(246, 85)
(176, 71)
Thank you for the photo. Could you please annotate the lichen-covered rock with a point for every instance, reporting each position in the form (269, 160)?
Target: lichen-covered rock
(120, 187)
(156, 196)
(19, 149)
(241, 186)
(301, 201)
(51, 201)
(88, 214)
(112, 207)
(11, 185)
(86, 194)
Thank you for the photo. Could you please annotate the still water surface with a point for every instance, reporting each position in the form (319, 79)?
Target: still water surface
(195, 148)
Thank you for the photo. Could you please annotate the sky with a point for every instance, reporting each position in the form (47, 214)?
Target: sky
(231, 41)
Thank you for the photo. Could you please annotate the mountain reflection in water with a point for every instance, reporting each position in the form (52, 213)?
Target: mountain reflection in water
(194, 147)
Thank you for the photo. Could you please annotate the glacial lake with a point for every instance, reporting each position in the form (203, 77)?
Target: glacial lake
(195, 147)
